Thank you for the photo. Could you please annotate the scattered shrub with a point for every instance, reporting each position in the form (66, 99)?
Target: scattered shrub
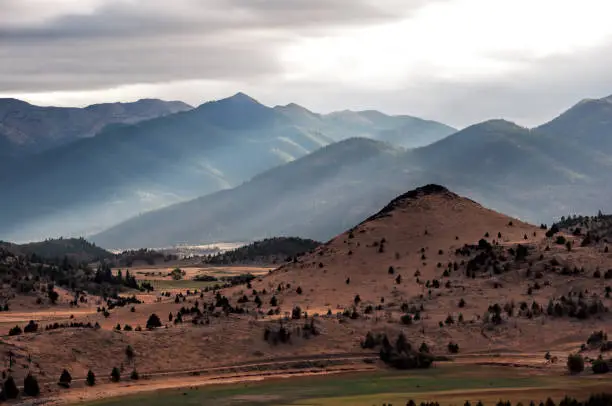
(453, 348)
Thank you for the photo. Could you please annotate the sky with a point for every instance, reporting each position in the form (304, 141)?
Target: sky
(456, 61)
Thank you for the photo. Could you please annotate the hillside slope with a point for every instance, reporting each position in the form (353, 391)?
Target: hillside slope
(416, 230)
(461, 272)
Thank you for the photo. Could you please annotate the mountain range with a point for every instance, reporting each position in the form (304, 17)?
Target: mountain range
(26, 129)
(535, 174)
(126, 169)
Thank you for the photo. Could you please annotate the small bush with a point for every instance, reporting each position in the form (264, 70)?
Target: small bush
(575, 363)
(15, 331)
(599, 366)
(134, 375)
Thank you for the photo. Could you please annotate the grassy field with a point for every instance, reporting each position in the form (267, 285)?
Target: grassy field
(449, 385)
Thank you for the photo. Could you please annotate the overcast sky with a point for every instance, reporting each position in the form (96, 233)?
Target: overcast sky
(457, 61)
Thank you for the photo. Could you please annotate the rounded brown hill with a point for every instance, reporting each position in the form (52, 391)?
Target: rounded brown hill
(414, 232)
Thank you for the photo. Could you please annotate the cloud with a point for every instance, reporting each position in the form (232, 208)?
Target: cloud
(121, 42)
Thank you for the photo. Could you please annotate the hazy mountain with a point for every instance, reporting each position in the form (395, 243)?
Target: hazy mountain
(526, 173)
(96, 182)
(589, 123)
(308, 195)
(404, 131)
(26, 129)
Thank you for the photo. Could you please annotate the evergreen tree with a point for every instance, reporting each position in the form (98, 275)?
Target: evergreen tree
(65, 379)
(30, 386)
(91, 378)
(153, 321)
(115, 375)
(10, 389)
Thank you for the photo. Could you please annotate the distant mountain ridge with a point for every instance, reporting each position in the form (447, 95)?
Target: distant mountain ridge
(402, 130)
(27, 129)
(127, 169)
(75, 249)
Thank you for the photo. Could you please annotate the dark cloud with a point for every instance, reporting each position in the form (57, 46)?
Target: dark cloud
(124, 42)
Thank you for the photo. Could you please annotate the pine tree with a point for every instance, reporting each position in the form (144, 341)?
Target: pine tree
(30, 386)
(153, 321)
(91, 378)
(10, 389)
(65, 379)
(115, 375)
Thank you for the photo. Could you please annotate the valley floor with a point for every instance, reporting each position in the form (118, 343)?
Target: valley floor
(347, 385)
